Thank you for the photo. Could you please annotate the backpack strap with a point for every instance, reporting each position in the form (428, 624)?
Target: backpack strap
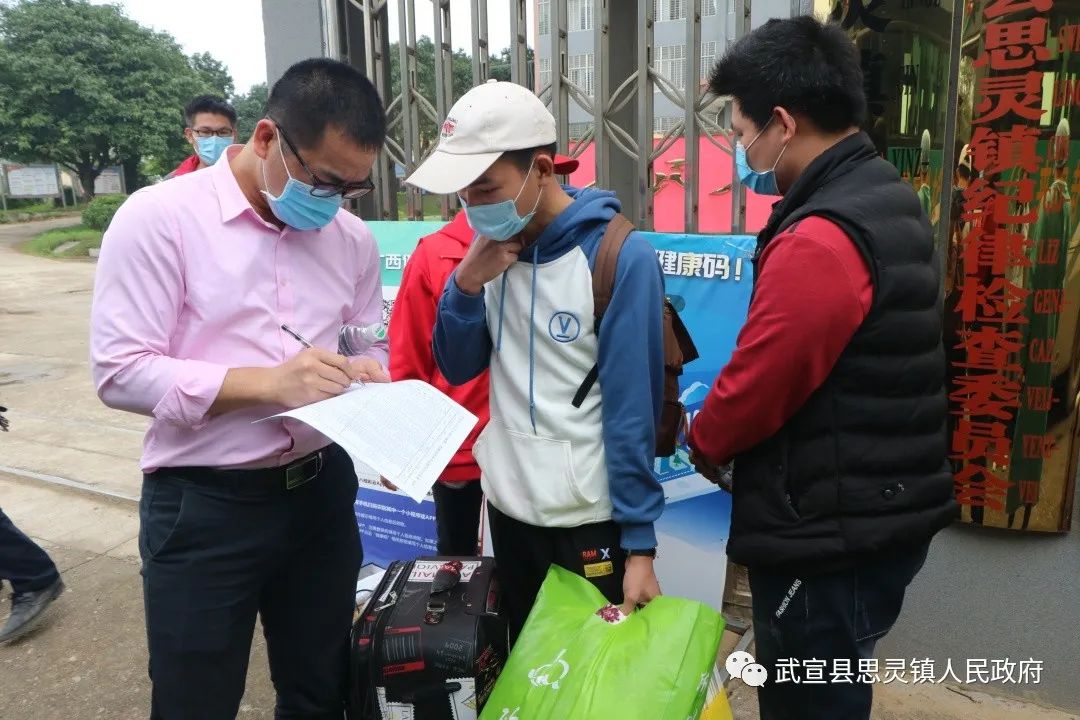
(607, 260)
(603, 285)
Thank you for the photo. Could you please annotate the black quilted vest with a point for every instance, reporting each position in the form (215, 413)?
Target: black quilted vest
(862, 466)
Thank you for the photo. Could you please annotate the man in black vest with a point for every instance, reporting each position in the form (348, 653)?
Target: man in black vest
(833, 405)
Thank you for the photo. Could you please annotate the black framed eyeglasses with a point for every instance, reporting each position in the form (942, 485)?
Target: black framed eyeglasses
(205, 132)
(321, 188)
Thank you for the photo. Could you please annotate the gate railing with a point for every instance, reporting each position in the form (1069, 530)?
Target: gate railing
(622, 132)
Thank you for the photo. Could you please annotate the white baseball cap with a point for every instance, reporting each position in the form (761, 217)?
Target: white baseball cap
(487, 121)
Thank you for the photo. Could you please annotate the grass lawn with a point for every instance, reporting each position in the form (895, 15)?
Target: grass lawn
(431, 204)
(45, 243)
(37, 211)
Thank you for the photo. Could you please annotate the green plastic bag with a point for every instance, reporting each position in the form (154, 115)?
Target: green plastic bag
(582, 659)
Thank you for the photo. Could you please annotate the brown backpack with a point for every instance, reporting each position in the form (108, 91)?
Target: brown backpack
(679, 348)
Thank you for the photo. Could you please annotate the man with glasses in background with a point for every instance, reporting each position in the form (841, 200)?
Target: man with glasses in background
(211, 127)
(197, 280)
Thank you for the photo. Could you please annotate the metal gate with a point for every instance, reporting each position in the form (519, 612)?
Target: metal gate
(617, 96)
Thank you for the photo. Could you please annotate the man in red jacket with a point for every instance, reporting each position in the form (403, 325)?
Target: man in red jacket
(458, 496)
(210, 128)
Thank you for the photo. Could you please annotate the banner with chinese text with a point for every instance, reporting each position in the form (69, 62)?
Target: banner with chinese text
(1012, 286)
(708, 279)
(392, 525)
(1000, 201)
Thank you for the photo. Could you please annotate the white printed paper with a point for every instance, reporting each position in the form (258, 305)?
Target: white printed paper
(367, 585)
(393, 710)
(406, 431)
(463, 701)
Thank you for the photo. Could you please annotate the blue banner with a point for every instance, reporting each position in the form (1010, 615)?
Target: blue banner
(708, 280)
(393, 526)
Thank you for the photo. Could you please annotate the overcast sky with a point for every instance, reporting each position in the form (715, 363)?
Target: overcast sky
(232, 30)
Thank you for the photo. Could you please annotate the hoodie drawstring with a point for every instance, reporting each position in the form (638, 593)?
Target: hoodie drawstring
(532, 340)
(532, 332)
(502, 304)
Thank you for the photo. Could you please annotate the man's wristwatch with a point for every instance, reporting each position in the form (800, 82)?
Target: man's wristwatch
(651, 553)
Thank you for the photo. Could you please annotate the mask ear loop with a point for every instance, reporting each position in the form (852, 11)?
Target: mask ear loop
(760, 133)
(526, 180)
(782, 151)
(539, 194)
(281, 154)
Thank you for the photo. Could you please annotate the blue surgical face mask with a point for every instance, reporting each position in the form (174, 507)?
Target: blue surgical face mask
(500, 221)
(296, 206)
(210, 148)
(763, 183)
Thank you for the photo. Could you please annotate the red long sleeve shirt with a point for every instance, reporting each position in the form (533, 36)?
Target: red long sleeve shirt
(411, 325)
(812, 293)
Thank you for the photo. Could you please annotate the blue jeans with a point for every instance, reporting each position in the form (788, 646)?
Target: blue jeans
(834, 618)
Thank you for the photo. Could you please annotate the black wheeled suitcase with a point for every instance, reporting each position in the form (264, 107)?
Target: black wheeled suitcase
(429, 643)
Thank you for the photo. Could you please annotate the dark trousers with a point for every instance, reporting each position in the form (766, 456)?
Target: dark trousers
(836, 616)
(219, 548)
(22, 562)
(523, 554)
(457, 518)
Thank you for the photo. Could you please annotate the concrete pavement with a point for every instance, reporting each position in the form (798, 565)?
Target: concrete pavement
(88, 659)
(69, 478)
(59, 429)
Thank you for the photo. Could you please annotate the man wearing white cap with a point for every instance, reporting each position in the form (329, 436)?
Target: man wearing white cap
(568, 480)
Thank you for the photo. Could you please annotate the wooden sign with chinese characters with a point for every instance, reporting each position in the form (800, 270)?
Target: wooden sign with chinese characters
(1013, 292)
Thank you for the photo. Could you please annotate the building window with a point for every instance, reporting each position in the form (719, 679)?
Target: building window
(708, 57)
(581, 72)
(545, 17)
(579, 15)
(708, 8)
(664, 125)
(664, 10)
(578, 129)
(545, 73)
(671, 63)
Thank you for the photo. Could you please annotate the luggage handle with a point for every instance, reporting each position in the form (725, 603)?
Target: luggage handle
(446, 578)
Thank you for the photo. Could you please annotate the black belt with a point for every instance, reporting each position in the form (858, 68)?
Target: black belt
(289, 477)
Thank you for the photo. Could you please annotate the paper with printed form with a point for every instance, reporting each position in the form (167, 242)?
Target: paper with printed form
(406, 431)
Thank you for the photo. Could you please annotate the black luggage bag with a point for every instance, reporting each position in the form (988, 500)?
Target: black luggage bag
(429, 643)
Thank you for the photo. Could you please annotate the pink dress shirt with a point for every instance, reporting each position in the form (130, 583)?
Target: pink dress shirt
(192, 282)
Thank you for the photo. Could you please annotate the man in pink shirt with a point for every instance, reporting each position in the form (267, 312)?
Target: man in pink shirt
(238, 518)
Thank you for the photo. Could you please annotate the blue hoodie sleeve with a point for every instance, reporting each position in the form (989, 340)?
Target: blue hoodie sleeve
(631, 364)
(461, 342)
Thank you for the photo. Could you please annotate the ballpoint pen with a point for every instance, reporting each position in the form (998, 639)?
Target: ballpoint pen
(299, 338)
(304, 341)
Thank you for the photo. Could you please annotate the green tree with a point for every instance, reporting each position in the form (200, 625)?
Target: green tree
(499, 66)
(250, 109)
(214, 74)
(461, 74)
(86, 87)
(462, 78)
